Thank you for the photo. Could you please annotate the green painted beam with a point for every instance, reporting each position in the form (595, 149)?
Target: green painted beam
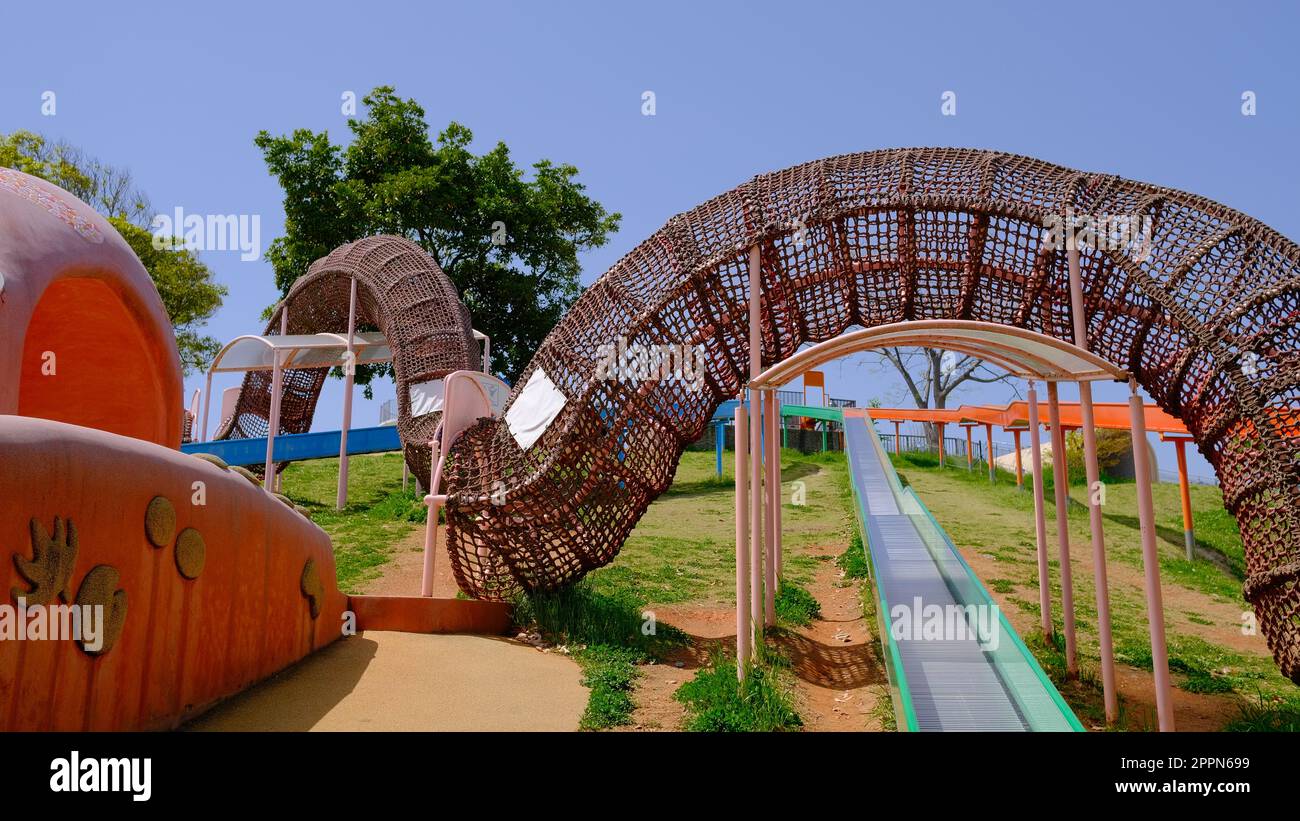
(813, 412)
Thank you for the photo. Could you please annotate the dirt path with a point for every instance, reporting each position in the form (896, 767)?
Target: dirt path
(839, 677)
(402, 574)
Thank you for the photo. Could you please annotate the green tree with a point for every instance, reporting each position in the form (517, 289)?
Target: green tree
(509, 244)
(190, 294)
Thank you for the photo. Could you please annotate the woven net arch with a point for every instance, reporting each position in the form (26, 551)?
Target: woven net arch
(403, 293)
(1204, 316)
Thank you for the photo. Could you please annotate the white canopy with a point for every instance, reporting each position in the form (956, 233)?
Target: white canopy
(257, 353)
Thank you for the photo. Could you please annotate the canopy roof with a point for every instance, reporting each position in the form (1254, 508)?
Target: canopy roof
(257, 353)
(1018, 351)
(1106, 415)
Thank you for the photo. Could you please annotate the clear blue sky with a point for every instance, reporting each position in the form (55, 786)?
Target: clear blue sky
(176, 93)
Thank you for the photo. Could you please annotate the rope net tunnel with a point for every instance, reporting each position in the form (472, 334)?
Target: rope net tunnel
(1202, 311)
(401, 292)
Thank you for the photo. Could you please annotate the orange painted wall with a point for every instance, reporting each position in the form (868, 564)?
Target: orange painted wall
(185, 643)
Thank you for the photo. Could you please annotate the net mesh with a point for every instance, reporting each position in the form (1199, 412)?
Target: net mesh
(1201, 308)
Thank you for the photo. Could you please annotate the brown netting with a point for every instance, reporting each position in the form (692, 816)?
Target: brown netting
(1206, 320)
(402, 293)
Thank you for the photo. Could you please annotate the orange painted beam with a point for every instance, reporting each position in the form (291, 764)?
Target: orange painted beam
(423, 614)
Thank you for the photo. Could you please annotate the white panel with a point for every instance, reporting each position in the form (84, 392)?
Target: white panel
(426, 397)
(534, 409)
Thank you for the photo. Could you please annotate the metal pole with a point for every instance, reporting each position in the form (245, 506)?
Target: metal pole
(970, 456)
(1185, 493)
(1105, 644)
(755, 445)
(988, 438)
(273, 424)
(348, 375)
(1150, 561)
(941, 448)
(207, 402)
(431, 524)
(284, 331)
(743, 630)
(1040, 518)
(898, 439)
(771, 492)
(1020, 470)
(1061, 486)
(719, 442)
(776, 506)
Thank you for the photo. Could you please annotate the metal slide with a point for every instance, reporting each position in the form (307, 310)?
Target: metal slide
(954, 662)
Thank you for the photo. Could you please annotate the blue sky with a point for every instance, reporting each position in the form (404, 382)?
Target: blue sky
(1153, 93)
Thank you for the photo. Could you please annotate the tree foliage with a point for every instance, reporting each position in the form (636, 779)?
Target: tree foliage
(509, 242)
(190, 293)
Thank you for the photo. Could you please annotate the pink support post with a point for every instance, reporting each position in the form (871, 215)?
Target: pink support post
(284, 330)
(776, 491)
(1061, 485)
(273, 424)
(1150, 562)
(1105, 644)
(349, 371)
(941, 448)
(771, 495)
(431, 526)
(743, 629)
(207, 403)
(1040, 518)
(898, 438)
(755, 444)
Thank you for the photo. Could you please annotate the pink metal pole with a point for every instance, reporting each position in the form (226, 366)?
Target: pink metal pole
(1061, 486)
(743, 630)
(1040, 518)
(898, 439)
(1104, 640)
(430, 526)
(970, 448)
(207, 403)
(284, 330)
(776, 491)
(1150, 561)
(770, 499)
(755, 445)
(273, 424)
(348, 375)
(941, 448)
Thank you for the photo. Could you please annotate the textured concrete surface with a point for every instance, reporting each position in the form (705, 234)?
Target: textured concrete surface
(410, 681)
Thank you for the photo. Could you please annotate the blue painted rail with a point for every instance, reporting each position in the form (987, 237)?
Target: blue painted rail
(297, 447)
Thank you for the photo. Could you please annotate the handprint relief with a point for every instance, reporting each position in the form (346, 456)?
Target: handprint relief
(49, 571)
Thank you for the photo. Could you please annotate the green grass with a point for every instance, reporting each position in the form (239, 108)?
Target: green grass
(377, 516)
(716, 702)
(1267, 716)
(995, 522)
(683, 549)
(609, 635)
(795, 606)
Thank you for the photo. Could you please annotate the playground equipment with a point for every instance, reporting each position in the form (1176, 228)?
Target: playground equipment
(981, 678)
(390, 284)
(803, 254)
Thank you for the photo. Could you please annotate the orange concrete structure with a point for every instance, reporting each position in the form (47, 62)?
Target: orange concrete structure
(141, 585)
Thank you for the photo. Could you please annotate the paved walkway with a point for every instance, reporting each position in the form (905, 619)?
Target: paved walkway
(409, 681)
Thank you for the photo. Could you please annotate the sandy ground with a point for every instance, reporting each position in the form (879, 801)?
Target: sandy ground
(407, 681)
